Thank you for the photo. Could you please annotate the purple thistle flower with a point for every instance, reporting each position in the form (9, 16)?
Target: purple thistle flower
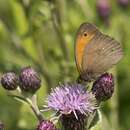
(29, 80)
(123, 3)
(74, 104)
(103, 87)
(104, 10)
(9, 81)
(72, 98)
(46, 125)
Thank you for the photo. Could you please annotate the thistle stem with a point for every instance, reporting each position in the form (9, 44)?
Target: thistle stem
(33, 104)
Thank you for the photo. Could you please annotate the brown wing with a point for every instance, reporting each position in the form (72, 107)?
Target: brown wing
(85, 33)
(101, 54)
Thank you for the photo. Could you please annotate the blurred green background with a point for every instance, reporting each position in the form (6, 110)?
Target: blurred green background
(41, 33)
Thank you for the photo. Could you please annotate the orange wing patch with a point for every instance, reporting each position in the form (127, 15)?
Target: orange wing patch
(81, 44)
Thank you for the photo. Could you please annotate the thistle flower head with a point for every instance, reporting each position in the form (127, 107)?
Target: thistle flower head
(9, 81)
(103, 87)
(104, 10)
(124, 3)
(29, 80)
(46, 125)
(70, 98)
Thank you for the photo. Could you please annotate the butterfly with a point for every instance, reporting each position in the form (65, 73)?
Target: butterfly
(95, 52)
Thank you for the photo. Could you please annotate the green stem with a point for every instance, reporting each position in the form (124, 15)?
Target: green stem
(33, 104)
(56, 21)
(30, 100)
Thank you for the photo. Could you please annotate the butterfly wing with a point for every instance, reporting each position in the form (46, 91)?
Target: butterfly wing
(100, 54)
(84, 35)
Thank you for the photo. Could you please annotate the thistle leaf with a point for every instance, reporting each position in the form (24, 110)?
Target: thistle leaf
(94, 121)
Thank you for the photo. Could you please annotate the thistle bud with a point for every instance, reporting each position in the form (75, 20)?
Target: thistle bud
(29, 80)
(103, 87)
(9, 81)
(123, 3)
(46, 125)
(103, 9)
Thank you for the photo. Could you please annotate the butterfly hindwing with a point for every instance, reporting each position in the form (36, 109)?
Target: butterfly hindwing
(101, 54)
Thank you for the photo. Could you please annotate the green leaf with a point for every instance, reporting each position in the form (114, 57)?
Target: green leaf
(94, 120)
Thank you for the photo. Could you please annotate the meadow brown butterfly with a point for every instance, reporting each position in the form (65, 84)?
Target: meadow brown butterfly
(95, 52)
